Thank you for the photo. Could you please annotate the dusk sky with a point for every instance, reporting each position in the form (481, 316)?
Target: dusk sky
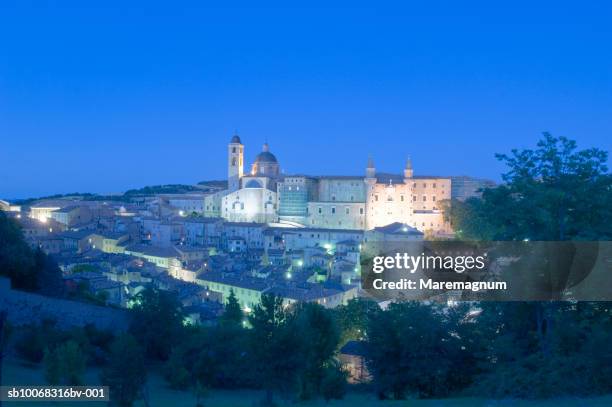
(106, 98)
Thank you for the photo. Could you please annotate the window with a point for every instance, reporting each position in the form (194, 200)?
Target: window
(320, 210)
(402, 198)
(361, 211)
(424, 185)
(413, 198)
(424, 198)
(233, 149)
(333, 209)
(433, 198)
(433, 185)
(376, 197)
(347, 211)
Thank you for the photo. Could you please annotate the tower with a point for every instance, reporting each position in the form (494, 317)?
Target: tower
(370, 181)
(235, 163)
(408, 170)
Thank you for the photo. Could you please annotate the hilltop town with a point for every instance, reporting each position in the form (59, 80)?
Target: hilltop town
(299, 237)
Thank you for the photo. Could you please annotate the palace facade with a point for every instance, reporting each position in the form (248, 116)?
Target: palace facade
(264, 195)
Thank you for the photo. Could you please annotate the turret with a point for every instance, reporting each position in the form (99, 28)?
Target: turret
(370, 170)
(408, 170)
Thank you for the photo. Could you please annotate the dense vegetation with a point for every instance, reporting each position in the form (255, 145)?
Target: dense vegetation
(29, 269)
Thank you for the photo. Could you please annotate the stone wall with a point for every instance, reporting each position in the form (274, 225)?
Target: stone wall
(25, 308)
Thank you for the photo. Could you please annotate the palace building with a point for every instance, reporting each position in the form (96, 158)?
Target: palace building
(264, 195)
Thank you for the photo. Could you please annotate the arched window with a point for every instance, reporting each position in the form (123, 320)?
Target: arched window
(253, 183)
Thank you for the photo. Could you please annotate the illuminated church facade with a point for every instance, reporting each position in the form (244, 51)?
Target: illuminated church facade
(265, 195)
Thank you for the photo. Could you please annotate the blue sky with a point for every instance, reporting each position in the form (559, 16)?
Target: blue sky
(102, 97)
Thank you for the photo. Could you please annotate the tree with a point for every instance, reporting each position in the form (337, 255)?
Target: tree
(333, 384)
(554, 192)
(275, 347)
(49, 276)
(233, 313)
(157, 322)
(319, 339)
(28, 269)
(16, 260)
(125, 373)
(53, 368)
(353, 318)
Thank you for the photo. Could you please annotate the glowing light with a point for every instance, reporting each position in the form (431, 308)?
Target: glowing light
(181, 213)
(300, 263)
(43, 220)
(288, 275)
(247, 309)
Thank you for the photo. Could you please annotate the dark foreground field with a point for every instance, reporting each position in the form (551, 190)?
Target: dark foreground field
(19, 373)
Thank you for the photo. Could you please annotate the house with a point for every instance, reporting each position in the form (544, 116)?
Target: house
(352, 358)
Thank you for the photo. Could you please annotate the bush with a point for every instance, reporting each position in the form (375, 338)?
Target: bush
(30, 344)
(175, 372)
(65, 364)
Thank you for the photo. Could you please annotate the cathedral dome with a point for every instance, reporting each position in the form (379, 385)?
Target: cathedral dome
(265, 156)
(235, 139)
(265, 163)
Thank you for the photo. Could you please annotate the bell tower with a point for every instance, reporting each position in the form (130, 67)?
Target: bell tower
(235, 163)
(370, 184)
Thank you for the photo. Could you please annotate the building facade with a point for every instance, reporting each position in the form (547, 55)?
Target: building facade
(264, 195)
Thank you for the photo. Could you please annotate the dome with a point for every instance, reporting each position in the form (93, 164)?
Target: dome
(265, 157)
(235, 139)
